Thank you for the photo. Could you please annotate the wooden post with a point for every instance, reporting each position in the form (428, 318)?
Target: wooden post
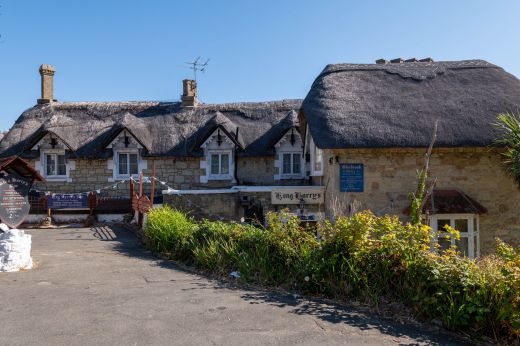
(139, 214)
(141, 184)
(152, 196)
(131, 189)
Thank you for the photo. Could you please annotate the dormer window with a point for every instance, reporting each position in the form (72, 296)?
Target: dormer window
(127, 164)
(219, 162)
(53, 163)
(55, 166)
(289, 151)
(127, 160)
(291, 164)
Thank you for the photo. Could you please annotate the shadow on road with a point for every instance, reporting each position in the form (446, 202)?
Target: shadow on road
(126, 243)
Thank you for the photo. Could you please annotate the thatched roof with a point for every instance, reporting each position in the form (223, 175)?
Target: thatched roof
(2, 134)
(397, 104)
(163, 129)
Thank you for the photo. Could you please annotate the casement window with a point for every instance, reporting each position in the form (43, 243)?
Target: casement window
(127, 164)
(316, 159)
(291, 165)
(55, 165)
(219, 157)
(468, 227)
(220, 165)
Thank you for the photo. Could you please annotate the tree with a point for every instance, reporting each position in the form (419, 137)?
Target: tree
(418, 198)
(509, 125)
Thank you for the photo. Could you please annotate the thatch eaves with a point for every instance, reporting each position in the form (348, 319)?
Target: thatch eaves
(164, 129)
(396, 105)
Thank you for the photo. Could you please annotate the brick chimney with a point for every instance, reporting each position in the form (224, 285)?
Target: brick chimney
(47, 76)
(189, 93)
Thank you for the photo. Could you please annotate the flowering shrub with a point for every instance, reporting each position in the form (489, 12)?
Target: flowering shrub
(364, 257)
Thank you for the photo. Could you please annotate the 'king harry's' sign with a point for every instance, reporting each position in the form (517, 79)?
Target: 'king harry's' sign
(298, 195)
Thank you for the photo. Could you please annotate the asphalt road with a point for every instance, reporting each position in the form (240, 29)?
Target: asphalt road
(98, 287)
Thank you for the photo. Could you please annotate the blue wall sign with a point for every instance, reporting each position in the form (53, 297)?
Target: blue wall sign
(351, 177)
(68, 201)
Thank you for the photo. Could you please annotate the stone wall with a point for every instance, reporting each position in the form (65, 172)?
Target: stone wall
(214, 206)
(228, 205)
(255, 170)
(390, 174)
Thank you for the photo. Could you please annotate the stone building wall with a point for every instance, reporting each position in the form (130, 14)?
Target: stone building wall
(255, 170)
(178, 173)
(214, 206)
(90, 175)
(390, 174)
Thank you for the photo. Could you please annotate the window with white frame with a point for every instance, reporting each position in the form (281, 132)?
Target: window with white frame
(316, 159)
(219, 161)
(291, 164)
(127, 164)
(468, 227)
(55, 165)
(220, 164)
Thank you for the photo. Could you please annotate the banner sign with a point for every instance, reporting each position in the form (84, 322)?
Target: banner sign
(351, 177)
(14, 201)
(298, 195)
(68, 201)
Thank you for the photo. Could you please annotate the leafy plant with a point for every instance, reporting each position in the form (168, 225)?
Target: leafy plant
(417, 198)
(509, 125)
(370, 258)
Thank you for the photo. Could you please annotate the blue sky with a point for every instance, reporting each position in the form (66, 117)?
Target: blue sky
(259, 50)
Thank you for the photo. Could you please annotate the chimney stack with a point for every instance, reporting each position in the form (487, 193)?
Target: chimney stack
(47, 76)
(189, 93)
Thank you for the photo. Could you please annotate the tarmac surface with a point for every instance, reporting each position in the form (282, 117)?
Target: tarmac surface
(97, 286)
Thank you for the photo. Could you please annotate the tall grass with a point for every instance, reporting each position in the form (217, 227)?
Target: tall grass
(367, 257)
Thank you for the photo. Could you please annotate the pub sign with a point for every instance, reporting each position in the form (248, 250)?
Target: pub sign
(298, 195)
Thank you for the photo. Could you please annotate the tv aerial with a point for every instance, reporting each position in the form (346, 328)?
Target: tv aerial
(195, 65)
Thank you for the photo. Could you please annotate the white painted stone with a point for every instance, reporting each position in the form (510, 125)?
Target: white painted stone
(15, 251)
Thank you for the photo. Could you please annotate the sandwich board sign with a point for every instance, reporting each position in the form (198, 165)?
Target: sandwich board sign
(14, 201)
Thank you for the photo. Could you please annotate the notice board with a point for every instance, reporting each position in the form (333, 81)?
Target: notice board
(14, 202)
(351, 177)
(68, 201)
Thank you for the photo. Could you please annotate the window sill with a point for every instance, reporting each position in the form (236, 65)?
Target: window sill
(213, 178)
(291, 177)
(126, 177)
(57, 178)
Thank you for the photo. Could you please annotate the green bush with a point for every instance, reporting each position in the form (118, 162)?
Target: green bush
(169, 231)
(364, 257)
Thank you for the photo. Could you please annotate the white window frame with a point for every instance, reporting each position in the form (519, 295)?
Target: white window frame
(473, 233)
(313, 151)
(55, 156)
(231, 167)
(212, 146)
(127, 152)
(291, 175)
(41, 165)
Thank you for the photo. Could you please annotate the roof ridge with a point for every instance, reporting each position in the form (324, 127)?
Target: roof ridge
(168, 103)
(414, 70)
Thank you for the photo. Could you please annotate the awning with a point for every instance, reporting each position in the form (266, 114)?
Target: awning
(450, 201)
